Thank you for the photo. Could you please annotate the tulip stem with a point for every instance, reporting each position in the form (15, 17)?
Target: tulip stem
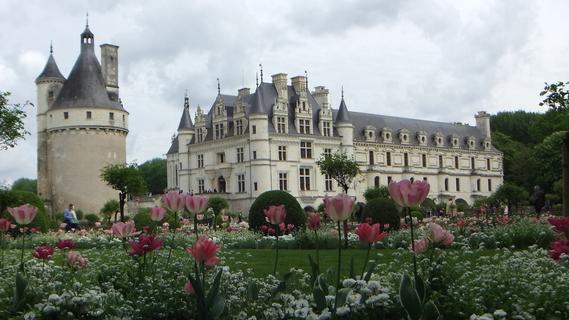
(412, 242)
(2, 248)
(317, 248)
(338, 271)
(277, 254)
(22, 254)
(366, 260)
(196, 226)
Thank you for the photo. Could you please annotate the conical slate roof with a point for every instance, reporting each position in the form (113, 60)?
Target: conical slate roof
(50, 70)
(343, 114)
(186, 120)
(258, 106)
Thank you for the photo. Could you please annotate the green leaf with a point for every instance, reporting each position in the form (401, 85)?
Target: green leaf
(409, 298)
(216, 308)
(420, 288)
(315, 269)
(369, 271)
(319, 297)
(213, 292)
(19, 292)
(430, 311)
(282, 283)
(342, 296)
(321, 280)
(252, 290)
(352, 272)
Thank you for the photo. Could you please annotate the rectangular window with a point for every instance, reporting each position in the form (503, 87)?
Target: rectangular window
(472, 163)
(219, 131)
(240, 156)
(282, 153)
(424, 160)
(221, 157)
(254, 155)
(489, 184)
(304, 179)
(457, 184)
(328, 182)
(440, 161)
(446, 184)
(304, 126)
(487, 164)
(89, 115)
(305, 150)
(478, 185)
(201, 186)
(200, 160)
(327, 151)
(388, 158)
(238, 127)
(326, 129)
(255, 186)
(371, 160)
(425, 179)
(66, 115)
(254, 129)
(240, 183)
(111, 116)
(283, 181)
(456, 162)
(281, 125)
(389, 180)
(200, 135)
(406, 159)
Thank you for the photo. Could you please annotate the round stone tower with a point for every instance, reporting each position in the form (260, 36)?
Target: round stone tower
(82, 127)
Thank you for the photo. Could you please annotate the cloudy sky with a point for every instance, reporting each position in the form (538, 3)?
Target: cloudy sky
(437, 60)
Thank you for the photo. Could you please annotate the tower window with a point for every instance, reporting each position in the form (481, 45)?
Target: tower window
(371, 160)
(457, 184)
(66, 115)
(89, 115)
(254, 129)
(487, 164)
(111, 116)
(440, 161)
(472, 163)
(456, 162)
(388, 158)
(50, 94)
(424, 160)
(406, 159)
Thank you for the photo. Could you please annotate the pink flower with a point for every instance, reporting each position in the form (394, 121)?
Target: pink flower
(188, 288)
(157, 213)
(23, 214)
(314, 221)
(143, 245)
(173, 200)
(205, 251)
(369, 233)
(4, 225)
(185, 221)
(43, 252)
(65, 244)
(408, 194)
(340, 207)
(438, 235)
(558, 248)
(97, 224)
(196, 204)
(461, 223)
(289, 227)
(560, 224)
(75, 259)
(123, 229)
(275, 214)
(271, 231)
(421, 245)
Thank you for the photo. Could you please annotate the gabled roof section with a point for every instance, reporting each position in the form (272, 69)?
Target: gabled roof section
(343, 113)
(50, 70)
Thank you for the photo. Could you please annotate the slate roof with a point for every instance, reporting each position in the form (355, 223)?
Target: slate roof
(174, 146)
(50, 70)
(186, 119)
(343, 115)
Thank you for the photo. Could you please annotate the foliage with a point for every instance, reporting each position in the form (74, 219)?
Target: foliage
(217, 204)
(124, 178)
(92, 218)
(511, 194)
(142, 219)
(376, 192)
(11, 122)
(383, 211)
(294, 212)
(110, 207)
(548, 155)
(17, 198)
(25, 184)
(154, 174)
(556, 96)
(340, 168)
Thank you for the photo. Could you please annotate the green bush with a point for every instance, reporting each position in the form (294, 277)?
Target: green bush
(294, 212)
(383, 211)
(80, 214)
(417, 213)
(376, 192)
(17, 198)
(92, 218)
(142, 219)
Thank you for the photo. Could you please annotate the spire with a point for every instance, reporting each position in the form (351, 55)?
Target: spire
(218, 87)
(50, 70)
(343, 114)
(306, 77)
(186, 120)
(87, 37)
(256, 79)
(50, 47)
(186, 100)
(257, 106)
(261, 66)
(87, 20)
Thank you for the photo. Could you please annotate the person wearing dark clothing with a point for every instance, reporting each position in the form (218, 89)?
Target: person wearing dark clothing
(538, 200)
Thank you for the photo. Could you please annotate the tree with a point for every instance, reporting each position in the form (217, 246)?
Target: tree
(342, 169)
(11, 122)
(376, 192)
(217, 204)
(25, 184)
(154, 173)
(512, 195)
(109, 208)
(126, 179)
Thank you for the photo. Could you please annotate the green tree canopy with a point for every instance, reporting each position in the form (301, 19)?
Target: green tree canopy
(511, 194)
(340, 168)
(376, 192)
(154, 173)
(25, 184)
(126, 179)
(11, 122)
(556, 96)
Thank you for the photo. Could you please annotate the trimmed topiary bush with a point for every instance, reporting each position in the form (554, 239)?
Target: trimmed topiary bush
(17, 198)
(294, 212)
(142, 219)
(92, 218)
(383, 211)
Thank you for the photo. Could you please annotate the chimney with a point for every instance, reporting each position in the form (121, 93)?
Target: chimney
(243, 92)
(110, 68)
(483, 122)
(299, 84)
(320, 94)
(280, 82)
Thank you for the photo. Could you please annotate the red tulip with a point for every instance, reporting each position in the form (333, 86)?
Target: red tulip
(144, 244)
(43, 252)
(438, 235)
(75, 259)
(314, 221)
(275, 214)
(408, 194)
(65, 244)
(421, 245)
(124, 229)
(271, 231)
(340, 207)
(368, 233)
(264, 228)
(173, 200)
(189, 288)
(205, 251)
(4, 225)
(196, 204)
(289, 227)
(558, 248)
(157, 213)
(23, 214)
(560, 224)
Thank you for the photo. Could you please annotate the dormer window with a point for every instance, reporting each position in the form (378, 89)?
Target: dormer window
(326, 130)
(404, 136)
(387, 135)
(486, 144)
(438, 139)
(471, 142)
(454, 141)
(369, 133)
(422, 138)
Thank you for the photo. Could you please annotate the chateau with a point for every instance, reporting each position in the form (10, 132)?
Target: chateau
(82, 127)
(271, 139)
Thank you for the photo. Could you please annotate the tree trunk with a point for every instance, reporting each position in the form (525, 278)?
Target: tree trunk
(565, 169)
(345, 187)
(122, 197)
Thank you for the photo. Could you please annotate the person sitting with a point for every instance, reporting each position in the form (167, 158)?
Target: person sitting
(70, 218)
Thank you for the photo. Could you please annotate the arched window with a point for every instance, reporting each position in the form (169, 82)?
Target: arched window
(376, 181)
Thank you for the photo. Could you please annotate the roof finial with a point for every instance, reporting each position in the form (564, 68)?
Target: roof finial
(261, 66)
(87, 20)
(186, 100)
(218, 87)
(256, 79)
(342, 92)
(306, 77)
(50, 47)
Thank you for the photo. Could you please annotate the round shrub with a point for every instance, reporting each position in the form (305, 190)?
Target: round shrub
(294, 212)
(17, 198)
(142, 219)
(383, 211)
(92, 218)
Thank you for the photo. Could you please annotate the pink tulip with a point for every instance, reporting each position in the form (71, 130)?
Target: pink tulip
(421, 245)
(43, 252)
(368, 233)
(65, 244)
(97, 224)
(143, 245)
(438, 235)
(275, 214)
(408, 194)
(314, 221)
(173, 200)
(75, 259)
(189, 288)
(196, 204)
(205, 251)
(560, 224)
(340, 207)
(559, 247)
(157, 213)
(123, 229)
(4, 225)
(23, 214)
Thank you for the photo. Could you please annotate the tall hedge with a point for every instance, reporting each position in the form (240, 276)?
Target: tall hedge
(383, 211)
(17, 198)
(294, 212)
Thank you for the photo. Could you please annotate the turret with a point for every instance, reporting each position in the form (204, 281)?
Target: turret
(483, 123)
(110, 69)
(259, 144)
(185, 128)
(345, 127)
